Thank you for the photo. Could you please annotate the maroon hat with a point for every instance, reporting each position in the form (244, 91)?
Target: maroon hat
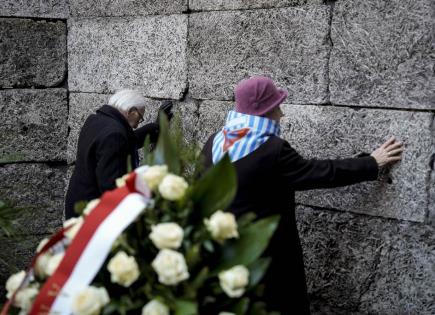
(258, 96)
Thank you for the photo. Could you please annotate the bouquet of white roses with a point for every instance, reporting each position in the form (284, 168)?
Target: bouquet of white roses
(171, 248)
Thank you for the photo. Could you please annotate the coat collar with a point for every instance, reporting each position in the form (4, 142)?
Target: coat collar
(116, 115)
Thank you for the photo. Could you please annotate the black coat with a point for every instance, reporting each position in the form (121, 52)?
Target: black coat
(267, 181)
(105, 142)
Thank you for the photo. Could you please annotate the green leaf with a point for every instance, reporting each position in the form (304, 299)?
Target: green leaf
(241, 307)
(165, 152)
(257, 270)
(147, 155)
(184, 307)
(216, 189)
(79, 206)
(250, 245)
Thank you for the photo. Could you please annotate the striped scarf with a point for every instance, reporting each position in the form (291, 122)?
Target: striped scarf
(242, 134)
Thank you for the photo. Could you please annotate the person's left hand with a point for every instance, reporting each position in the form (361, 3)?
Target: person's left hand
(166, 107)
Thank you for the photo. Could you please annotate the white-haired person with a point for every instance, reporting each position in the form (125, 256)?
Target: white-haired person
(106, 141)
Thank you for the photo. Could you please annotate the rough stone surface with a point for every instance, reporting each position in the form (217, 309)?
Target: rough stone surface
(126, 7)
(35, 8)
(289, 45)
(353, 262)
(32, 53)
(383, 53)
(339, 132)
(405, 274)
(37, 188)
(188, 113)
(33, 125)
(202, 5)
(15, 258)
(212, 115)
(147, 53)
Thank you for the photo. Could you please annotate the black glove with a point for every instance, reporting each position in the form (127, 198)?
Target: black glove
(166, 107)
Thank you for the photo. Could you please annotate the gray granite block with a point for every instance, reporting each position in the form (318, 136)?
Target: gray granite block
(289, 45)
(363, 265)
(205, 5)
(39, 190)
(34, 125)
(35, 8)
(212, 116)
(32, 53)
(340, 132)
(146, 53)
(126, 7)
(405, 275)
(383, 53)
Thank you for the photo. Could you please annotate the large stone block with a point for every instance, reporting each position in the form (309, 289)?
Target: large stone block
(339, 132)
(383, 53)
(126, 7)
(204, 5)
(39, 190)
(212, 116)
(147, 53)
(363, 265)
(405, 274)
(340, 254)
(35, 8)
(16, 255)
(290, 45)
(32, 53)
(34, 125)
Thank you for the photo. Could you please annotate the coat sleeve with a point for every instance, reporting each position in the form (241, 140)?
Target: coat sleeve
(303, 174)
(112, 154)
(151, 130)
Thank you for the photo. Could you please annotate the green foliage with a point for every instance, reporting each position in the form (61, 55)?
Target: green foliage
(8, 215)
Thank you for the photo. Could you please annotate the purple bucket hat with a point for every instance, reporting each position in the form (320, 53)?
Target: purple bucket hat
(257, 96)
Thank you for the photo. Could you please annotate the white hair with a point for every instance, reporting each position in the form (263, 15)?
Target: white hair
(126, 99)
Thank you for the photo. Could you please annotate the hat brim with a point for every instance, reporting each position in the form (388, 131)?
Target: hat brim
(283, 94)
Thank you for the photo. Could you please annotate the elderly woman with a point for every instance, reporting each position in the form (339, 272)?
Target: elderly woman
(269, 171)
(106, 141)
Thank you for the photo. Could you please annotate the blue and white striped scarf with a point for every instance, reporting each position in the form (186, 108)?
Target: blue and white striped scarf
(242, 134)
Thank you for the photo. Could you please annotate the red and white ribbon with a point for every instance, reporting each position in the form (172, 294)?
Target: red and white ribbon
(90, 247)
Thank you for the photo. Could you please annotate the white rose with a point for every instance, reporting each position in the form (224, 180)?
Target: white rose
(226, 313)
(53, 263)
(173, 187)
(90, 206)
(222, 226)
(75, 224)
(41, 245)
(41, 265)
(155, 308)
(13, 283)
(170, 267)
(121, 181)
(154, 175)
(24, 298)
(167, 235)
(123, 269)
(234, 281)
(90, 301)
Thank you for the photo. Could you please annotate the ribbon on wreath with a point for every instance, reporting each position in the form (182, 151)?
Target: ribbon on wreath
(90, 247)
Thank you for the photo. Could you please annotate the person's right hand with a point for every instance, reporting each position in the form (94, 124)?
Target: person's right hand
(166, 107)
(389, 152)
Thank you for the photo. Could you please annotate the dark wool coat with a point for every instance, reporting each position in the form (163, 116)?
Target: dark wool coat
(267, 181)
(105, 142)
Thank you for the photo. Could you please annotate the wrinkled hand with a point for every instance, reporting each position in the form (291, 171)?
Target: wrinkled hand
(166, 107)
(389, 152)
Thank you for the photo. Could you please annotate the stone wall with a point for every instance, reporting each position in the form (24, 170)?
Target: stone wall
(356, 71)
